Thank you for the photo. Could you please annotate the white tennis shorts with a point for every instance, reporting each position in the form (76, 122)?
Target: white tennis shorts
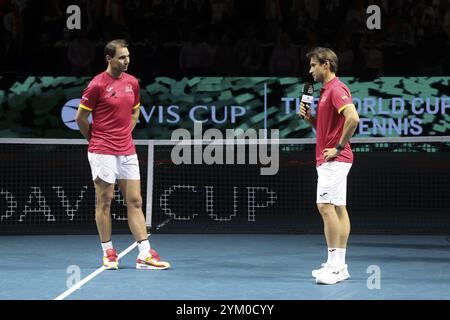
(332, 182)
(111, 167)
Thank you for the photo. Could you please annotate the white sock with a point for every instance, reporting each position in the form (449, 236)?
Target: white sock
(332, 256)
(106, 246)
(336, 256)
(144, 246)
(340, 256)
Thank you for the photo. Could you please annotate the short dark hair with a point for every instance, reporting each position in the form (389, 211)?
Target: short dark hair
(323, 55)
(111, 47)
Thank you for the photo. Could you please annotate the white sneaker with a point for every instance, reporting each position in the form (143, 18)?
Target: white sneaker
(315, 273)
(331, 275)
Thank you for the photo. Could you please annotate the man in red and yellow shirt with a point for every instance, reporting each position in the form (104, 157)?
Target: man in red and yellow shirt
(113, 99)
(335, 122)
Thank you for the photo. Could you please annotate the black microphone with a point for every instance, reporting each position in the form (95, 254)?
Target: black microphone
(307, 96)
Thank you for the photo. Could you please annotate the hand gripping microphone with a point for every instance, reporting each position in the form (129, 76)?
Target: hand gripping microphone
(307, 96)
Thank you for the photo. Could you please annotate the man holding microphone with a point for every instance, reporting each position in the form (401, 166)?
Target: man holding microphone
(335, 123)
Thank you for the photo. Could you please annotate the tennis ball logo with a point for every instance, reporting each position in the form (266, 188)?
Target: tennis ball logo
(68, 113)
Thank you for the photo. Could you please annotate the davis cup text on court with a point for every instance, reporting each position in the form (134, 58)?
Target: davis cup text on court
(234, 309)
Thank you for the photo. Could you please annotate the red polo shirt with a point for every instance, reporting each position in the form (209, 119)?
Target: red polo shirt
(334, 98)
(111, 101)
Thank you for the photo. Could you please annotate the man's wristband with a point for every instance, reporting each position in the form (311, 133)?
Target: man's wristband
(340, 147)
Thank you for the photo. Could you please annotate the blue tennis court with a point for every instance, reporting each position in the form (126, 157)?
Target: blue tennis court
(229, 232)
(226, 267)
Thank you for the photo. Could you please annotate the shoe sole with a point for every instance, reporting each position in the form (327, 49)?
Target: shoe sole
(318, 274)
(319, 281)
(327, 283)
(147, 267)
(110, 268)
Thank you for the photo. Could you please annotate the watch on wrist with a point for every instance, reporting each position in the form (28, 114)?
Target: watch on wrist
(340, 147)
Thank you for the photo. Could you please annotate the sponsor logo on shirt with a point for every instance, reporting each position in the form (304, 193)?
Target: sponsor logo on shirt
(113, 93)
(324, 99)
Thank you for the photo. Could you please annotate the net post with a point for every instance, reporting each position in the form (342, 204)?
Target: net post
(149, 196)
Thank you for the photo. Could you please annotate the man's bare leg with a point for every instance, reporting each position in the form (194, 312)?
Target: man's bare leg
(331, 225)
(344, 226)
(147, 259)
(131, 191)
(104, 195)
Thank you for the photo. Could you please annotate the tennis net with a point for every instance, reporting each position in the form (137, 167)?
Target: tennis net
(395, 186)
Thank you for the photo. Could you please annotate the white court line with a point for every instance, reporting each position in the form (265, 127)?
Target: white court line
(93, 274)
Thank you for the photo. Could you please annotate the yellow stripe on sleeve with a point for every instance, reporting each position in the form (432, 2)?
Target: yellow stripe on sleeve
(343, 107)
(84, 107)
(137, 106)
